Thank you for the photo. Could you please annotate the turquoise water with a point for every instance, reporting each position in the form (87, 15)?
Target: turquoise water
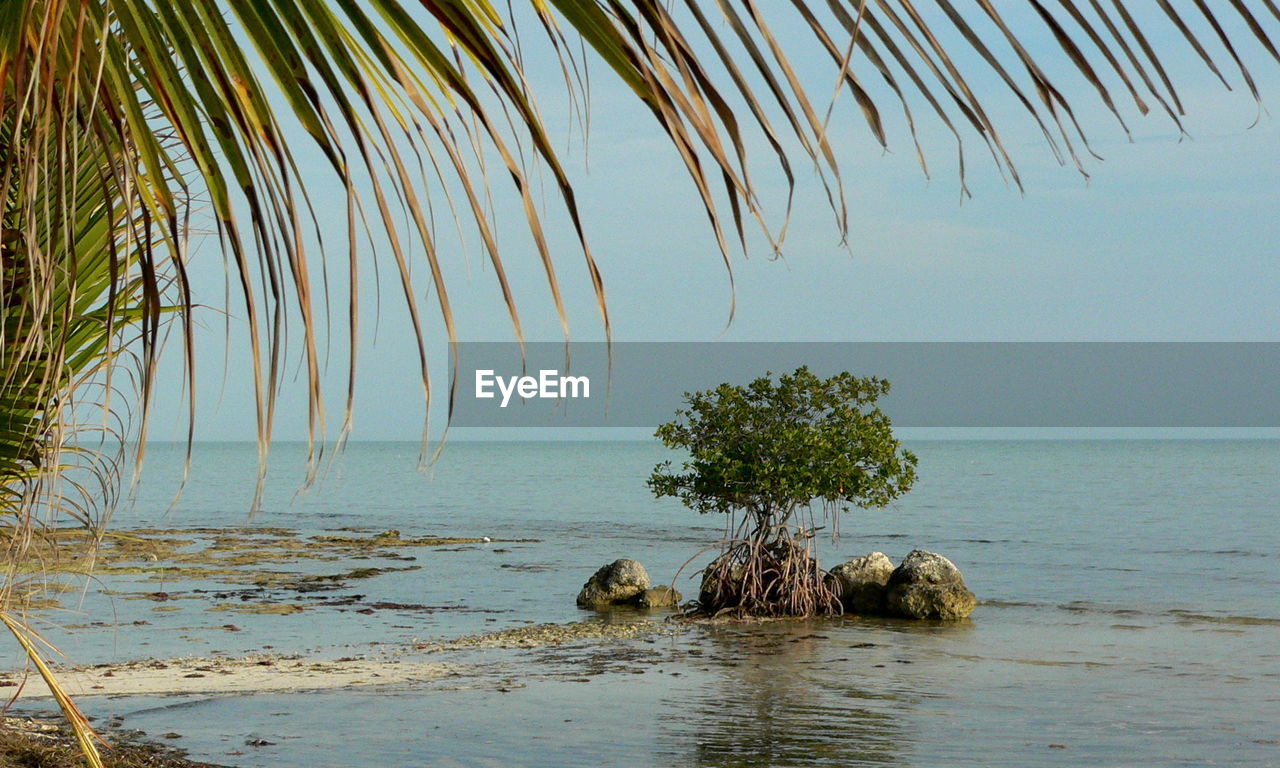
(1129, 615)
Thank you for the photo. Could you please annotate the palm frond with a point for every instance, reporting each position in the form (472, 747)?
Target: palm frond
(178, 100)
(86, 738)
(121, 121)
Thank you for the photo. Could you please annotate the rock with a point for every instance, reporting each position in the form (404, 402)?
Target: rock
(659, 597)
(862, 583)
(716, 590)
(618, 583)
(928, 586)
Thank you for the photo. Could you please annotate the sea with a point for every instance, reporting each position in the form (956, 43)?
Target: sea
(1129, 614)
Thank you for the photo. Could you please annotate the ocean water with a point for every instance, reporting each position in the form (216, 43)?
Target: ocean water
(1129, 615)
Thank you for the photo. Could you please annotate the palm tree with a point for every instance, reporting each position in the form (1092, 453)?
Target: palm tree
(126, 126)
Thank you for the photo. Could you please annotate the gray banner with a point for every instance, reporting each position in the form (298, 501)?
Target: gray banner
(934, 384)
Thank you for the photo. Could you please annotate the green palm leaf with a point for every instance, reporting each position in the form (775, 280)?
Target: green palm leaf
(123, 121)
(190, 103)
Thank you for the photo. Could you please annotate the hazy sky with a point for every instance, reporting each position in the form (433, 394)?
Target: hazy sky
(1169, 240)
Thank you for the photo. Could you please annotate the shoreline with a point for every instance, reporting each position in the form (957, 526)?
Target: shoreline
(292, 673)
(256, 673)
(36, 735)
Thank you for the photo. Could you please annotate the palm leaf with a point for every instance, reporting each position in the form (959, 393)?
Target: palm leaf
(85, 736)
(186, 111)
(121, 120)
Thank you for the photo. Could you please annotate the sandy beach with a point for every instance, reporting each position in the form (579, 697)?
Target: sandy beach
(248, 674)
(279, 673)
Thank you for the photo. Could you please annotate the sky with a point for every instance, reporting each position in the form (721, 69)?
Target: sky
(1168, 239)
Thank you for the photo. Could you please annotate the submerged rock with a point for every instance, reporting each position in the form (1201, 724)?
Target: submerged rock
(621, 582)
(659, 597)
(928, 586)
(862, 583)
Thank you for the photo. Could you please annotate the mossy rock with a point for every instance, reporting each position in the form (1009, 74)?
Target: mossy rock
(621, 582)
(928, 586)
(862, 582)
(659, 597)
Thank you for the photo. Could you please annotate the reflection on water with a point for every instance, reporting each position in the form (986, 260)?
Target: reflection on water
(785, 696)
(1128, 618)
(1012, 690)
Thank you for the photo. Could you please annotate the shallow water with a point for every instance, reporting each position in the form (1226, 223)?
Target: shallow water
(1129, 615)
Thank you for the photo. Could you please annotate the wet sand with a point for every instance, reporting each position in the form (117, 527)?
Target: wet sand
(261, 673)
(248, 674)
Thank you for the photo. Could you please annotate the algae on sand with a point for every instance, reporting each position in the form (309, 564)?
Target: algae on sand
(27, 741)
(263, 558)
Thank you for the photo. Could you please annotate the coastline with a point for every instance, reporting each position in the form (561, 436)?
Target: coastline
(257, 673)
(1095, 628)
(291, 673)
